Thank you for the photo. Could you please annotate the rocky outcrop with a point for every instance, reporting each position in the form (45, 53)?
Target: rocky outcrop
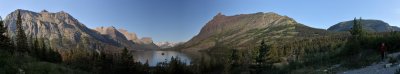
(368, 25)
(130, 36)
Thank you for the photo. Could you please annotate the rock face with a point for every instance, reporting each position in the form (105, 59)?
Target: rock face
(64, 32)
(368, 25)
(243, 30)
(130, 36)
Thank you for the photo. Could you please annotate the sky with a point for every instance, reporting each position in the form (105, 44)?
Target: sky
(180, 20)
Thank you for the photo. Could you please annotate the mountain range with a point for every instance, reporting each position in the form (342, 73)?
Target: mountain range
(62, 32)
(244, 30)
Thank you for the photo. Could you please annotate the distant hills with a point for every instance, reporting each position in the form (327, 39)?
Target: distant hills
(63, 32)
(368, 25)
(244, 30)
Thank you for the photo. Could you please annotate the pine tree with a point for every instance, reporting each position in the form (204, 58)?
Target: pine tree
(105, 63)
(234, 57)
(263, 50)
(53, 56)
(36, 49)
(42, 50)
(146, 67)
(5, 42)
(21, 37)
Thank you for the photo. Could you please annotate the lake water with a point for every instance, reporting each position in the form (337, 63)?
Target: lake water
(155, 57)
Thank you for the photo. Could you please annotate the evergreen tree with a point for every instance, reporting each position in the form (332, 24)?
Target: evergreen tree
(21, 37)
(105, 63)
(5, 42)
(146, 67)
(234, 57)
(355, 42)
(36, 49)
(42, 50)
(263, 50)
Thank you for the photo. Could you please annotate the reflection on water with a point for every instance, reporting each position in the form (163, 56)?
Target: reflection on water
(154, 57)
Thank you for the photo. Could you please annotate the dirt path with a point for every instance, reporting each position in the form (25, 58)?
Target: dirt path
(375, 68)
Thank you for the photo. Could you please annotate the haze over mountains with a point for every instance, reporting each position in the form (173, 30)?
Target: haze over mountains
(62, 31)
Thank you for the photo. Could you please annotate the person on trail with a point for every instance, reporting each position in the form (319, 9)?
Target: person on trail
(383, 51)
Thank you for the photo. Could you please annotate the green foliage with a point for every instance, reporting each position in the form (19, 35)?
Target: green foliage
(126, 64)
(357, 29)
(20, 64)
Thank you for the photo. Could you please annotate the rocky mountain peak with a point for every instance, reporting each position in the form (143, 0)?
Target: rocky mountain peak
(236, 29)
(112, 32)
(130, 35)
(147, 40)
(219, 14)
(44, 11)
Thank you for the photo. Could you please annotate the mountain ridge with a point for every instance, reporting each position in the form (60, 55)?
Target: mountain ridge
(238, 31)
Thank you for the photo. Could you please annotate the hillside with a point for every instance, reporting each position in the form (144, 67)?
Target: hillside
(368, 25)
(244, 30)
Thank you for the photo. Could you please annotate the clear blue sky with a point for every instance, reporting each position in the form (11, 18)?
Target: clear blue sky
(180, 20)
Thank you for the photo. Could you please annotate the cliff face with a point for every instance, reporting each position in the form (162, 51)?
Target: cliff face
(63, 32)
